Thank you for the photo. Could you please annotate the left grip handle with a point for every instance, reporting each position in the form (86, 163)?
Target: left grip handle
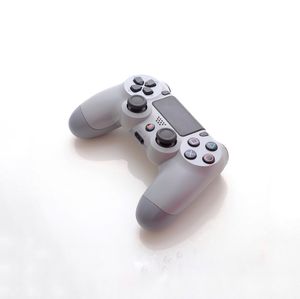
(98, 115)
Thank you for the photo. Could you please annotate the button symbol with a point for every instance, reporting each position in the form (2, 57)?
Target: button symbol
(208, 159)
(194, 142)
(190, 154)
(211, 146)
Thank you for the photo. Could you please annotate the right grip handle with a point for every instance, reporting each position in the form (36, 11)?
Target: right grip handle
(176, 186)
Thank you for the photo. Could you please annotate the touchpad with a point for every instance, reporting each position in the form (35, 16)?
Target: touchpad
(178, 117)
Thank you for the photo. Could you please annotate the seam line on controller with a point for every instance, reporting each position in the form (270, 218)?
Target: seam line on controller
(98, 130)
(158, 206)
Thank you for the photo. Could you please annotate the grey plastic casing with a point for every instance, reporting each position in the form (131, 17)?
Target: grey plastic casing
(179, 181)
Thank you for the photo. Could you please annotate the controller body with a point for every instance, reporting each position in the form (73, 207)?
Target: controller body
(189, 159)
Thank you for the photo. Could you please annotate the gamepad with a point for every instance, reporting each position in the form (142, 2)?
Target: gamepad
(188, 157)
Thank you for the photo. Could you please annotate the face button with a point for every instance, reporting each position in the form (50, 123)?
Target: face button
(203, 134)
(135, 88)
(208, 159)
(137, 104)
(194, 142)
(211, 146)
(147, 91)
(190, 154)
(138, 80)
(166, 137)
(165, 92)
(150, 83)
(150, 127)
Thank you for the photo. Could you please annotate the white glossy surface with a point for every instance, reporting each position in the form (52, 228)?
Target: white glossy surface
(67, 225)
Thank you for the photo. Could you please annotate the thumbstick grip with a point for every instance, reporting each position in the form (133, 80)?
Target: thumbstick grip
(166, 137)
(137, 104)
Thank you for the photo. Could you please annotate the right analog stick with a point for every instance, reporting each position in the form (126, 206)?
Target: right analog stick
(137, 104)
(166, 137)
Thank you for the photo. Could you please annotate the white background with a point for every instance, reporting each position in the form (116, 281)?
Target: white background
(67, 207)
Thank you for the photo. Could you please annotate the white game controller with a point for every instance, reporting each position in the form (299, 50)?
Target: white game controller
(188, 157)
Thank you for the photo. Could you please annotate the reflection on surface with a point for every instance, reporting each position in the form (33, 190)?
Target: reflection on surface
(118, 145)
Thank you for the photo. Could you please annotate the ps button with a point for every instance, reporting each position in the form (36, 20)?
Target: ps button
(150, 127)
(138, 80)
(150, 83)
(211, 146)
(208, 159)
(190, 154)
(135, 88)
(147, 91)
(203, 134)
(194, 142)
(165, 92)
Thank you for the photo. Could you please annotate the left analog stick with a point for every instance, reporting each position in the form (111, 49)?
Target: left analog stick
(137, 104)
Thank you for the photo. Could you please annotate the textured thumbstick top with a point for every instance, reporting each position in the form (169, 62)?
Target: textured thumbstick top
(137, 104)
(166, 137)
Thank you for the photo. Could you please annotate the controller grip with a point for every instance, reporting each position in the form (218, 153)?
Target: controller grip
(176, 186)
(98, 115)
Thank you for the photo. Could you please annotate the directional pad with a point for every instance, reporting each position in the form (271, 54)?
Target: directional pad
(140, 84)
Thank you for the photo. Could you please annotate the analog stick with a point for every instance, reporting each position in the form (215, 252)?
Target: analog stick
(137, 104)
(166, 137)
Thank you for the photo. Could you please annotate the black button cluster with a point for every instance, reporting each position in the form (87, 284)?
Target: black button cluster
(141, 85)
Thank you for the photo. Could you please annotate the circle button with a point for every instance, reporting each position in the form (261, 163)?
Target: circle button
(137, 104)
(208, 159)
(166, 137)
(194, 142)
(190, 154)
(211, 146)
